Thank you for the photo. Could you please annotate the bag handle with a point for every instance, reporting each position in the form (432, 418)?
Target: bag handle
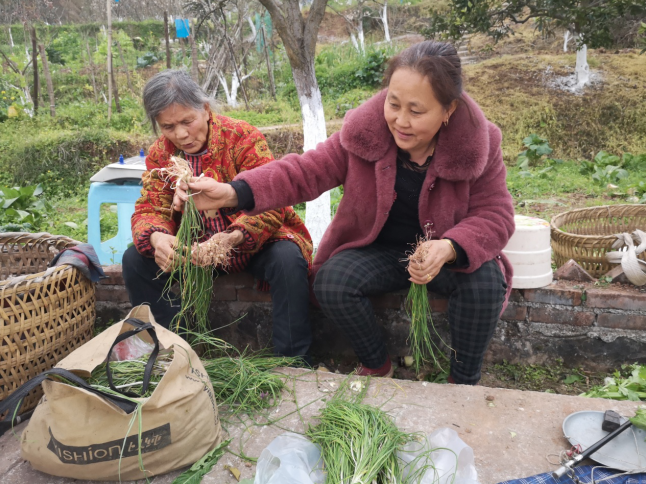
(13, 402)
(139, 326)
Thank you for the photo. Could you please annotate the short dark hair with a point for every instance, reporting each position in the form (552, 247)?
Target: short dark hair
(172, 87)
(438, 62)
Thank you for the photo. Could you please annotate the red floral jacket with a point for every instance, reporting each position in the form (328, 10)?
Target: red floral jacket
(233, 147)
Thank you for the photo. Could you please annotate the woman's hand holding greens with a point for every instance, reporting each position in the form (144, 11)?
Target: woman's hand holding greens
(207, 194)
(439, 252)
(164, 245)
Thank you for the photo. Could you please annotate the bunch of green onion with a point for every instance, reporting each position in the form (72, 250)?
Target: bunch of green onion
(419, 310)
(247, 383)
(359, 444)
(128, 375)
(195, 282)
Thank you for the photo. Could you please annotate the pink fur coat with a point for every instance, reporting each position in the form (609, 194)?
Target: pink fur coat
(464, 196)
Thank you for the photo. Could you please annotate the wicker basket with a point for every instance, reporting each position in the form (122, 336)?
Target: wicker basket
(586, 234)
(44, 313)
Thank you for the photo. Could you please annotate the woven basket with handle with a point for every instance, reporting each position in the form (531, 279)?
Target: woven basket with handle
(586, 234)
(44, 313)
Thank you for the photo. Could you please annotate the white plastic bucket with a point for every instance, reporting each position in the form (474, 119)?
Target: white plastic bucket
(530, 253)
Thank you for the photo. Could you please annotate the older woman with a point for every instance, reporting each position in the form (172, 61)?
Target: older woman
(273, 245)
(418, 159)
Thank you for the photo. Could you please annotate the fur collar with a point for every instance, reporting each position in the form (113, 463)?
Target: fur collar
(462, 150)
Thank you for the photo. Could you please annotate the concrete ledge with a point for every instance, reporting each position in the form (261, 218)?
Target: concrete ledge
(601, 327)
(510, 431)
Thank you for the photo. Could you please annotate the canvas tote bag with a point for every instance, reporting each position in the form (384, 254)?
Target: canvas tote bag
(79, 432)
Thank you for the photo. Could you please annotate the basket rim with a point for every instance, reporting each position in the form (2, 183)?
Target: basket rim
(34, 237)
(554, 227)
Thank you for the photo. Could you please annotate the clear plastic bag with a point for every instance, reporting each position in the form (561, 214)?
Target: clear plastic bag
(293, 459)
(132, 348)
(290, 459)
(450, 457)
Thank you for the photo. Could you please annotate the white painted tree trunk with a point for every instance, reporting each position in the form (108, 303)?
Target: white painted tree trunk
(582, 68)
(317, 212)
(384, 20)
(355, 44)
(231, 94)
(566, 39)
(362, 42)
(253, 27)
(11, 38)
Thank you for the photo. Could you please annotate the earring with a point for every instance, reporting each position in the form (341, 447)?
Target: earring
(446, 122)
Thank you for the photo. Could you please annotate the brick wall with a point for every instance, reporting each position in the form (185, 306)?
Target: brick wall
(581, 323)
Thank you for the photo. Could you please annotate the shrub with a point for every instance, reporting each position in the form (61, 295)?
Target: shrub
(23, 207)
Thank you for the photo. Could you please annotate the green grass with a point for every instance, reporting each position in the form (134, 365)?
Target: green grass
(563, 188)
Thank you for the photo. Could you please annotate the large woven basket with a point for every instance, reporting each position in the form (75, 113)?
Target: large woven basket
(586, 234)
(44, 313)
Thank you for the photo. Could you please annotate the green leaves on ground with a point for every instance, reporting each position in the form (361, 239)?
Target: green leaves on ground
(23, 205)
(618, 388)
(639, 420)
(536, 148)
(606, 168)
(203, 466)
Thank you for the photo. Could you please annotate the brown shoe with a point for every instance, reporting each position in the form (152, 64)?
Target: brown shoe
(385, 371)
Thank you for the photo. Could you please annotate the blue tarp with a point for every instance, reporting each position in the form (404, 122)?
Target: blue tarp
(584, 473)
(182, 27)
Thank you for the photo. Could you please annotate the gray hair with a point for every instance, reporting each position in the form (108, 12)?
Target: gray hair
(172, 87)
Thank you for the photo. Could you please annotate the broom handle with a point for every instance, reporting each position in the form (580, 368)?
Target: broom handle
(557, 474)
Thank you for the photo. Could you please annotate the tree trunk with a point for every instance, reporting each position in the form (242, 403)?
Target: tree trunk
(10, 38)
(48, 77)
(270, 74)
(167, 41)
(582, 68)
(125, 67)
(317, 212)
(34, 65)
(109, 7)
(115, 87)
(237, 71)
(299, 38)
(384, 20)
(91, 62)
(194, 62)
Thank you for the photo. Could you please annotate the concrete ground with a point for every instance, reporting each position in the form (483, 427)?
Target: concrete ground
(512, 432)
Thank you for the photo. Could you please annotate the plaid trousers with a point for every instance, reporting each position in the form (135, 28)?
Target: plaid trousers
(345, 281)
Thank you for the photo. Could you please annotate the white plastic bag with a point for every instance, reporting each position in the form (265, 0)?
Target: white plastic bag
(290, 459)
(450, 450)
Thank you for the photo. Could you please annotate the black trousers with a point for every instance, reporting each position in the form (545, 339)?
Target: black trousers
(345, 281)
(279, 263)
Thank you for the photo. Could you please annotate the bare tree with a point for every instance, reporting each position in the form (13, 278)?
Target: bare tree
(354, 22)
(383, 17)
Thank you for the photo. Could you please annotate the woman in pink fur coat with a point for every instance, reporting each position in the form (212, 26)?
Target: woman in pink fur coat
(419, 159)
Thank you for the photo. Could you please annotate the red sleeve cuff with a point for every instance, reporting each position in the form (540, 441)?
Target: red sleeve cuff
(248, 242)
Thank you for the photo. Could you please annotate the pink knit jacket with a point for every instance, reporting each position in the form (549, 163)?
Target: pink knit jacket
(464, 196)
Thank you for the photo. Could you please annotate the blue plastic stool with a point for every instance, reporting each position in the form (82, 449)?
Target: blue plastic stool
(111, 251)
